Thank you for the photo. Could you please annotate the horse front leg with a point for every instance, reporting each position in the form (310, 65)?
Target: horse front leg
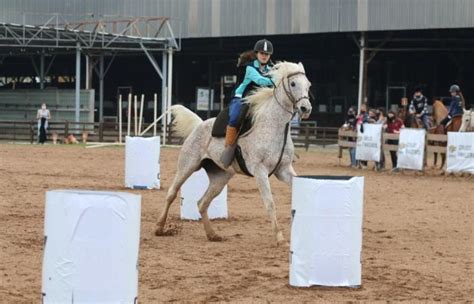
(286, 174)
(263, 184)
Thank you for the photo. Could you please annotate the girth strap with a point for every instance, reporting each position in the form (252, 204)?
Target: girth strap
(241, 161)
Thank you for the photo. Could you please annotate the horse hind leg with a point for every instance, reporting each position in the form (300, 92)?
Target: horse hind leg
(185, 169)
(218, 179)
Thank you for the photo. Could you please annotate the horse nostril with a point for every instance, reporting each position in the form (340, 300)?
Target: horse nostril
(304, 109)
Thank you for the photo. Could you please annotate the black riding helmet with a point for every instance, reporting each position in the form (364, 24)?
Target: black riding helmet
(264, 46)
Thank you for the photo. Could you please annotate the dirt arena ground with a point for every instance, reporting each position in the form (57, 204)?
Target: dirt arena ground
(417, 242)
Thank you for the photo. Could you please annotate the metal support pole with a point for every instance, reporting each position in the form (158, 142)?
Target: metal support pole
(101, 88)
(87, 72)
(155, 98)
(209, 100)
(170, 81)
(164, 92)
(42, 70)
(78, 81)
(361, 70)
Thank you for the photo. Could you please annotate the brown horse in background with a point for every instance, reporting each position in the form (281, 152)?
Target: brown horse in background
(439, 113)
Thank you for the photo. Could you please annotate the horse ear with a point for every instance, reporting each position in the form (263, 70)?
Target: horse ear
(301, 65)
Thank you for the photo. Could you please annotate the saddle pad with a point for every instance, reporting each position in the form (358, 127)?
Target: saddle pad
(222, 119)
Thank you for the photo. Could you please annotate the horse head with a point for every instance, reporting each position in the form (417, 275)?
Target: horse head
(292, 77)
(467, 120)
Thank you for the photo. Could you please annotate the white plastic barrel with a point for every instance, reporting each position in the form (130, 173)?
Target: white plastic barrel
(91, 242)
(142, 162)
(192, 191)
(326, 231)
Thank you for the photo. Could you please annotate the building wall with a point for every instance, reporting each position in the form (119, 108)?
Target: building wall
(225, 18)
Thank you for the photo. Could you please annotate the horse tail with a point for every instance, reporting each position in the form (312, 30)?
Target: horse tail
(184, 120)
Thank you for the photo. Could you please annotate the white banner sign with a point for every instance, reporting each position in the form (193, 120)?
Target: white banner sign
(369, 142)
(202, 99)
(460, 152)
(411, 148)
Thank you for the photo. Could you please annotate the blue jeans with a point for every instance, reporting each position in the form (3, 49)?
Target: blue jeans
(426, 121)
(234, 111)
(352, 153)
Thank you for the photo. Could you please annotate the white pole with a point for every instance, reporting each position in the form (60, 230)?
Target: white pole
(170, 85)
(120, 118)
(155, 101)
(164, 91)
(78, 83)
(129, 121)
(141, 114)
(154, 123)
(136, 114)
(361, 70)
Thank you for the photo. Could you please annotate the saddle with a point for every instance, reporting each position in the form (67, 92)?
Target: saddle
(220, 124)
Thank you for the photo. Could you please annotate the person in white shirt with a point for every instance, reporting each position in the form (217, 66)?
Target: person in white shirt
(43, 115)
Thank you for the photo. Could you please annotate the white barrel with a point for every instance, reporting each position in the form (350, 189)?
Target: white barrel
(192, 191)
(326, 231)
(91, 242)
(142, 162)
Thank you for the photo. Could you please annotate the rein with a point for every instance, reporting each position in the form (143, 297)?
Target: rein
(293, 100)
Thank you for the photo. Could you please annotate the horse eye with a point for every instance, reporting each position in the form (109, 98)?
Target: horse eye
(293, 83)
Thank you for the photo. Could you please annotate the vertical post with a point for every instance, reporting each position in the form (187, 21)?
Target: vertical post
(164, 93)
(222, 93)
(129, 117)
(361, 70)
(155, 98)
(209, 101)
(101, 88)
(170, 84)
(141, 115)
(42, 70)
(135, 114)
(87, 72)
(101, 131)
(120, 117)
(306, 137)
(32, 132)
(78, 81)
(66, 128)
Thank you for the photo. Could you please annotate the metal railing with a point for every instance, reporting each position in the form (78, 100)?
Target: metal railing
(303, 136)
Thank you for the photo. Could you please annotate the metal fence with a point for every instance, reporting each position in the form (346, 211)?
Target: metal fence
(305, 135)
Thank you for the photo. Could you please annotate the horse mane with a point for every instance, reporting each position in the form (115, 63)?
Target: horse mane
(262, 97)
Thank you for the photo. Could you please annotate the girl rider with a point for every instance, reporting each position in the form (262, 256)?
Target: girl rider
(255, 77)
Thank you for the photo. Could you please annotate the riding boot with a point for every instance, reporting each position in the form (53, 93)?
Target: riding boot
(230, 144)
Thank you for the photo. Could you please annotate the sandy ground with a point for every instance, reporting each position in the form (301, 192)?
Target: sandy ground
(417, 242)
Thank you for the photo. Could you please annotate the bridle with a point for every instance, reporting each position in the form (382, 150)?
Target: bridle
(290, 96)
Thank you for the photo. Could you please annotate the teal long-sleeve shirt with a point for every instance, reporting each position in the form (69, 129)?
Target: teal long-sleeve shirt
(252, 75)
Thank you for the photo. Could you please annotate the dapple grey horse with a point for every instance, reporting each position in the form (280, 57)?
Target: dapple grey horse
(263, 147)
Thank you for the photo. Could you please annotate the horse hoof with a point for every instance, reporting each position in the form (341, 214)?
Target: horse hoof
(215, 238)
(159, 232)
(283, 244)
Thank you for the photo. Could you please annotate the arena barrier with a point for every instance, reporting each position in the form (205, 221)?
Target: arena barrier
(326, 231)
(142, 162)
(369, 142)
(91, 245)
(192, 190)
(411, 149)
(434, 143)
(460, 157)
